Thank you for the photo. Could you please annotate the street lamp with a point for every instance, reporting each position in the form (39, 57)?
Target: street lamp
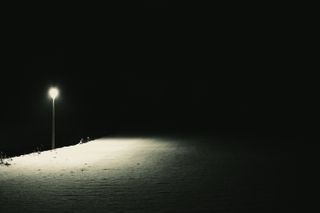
(53, 93)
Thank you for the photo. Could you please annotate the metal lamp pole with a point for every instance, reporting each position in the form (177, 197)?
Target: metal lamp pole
(53, 93)
(53, 125)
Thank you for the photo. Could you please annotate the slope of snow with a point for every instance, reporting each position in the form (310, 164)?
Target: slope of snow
(115, 151)
(147, 175)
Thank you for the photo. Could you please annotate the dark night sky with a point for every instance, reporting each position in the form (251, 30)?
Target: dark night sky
(160, 81)
(156, 3)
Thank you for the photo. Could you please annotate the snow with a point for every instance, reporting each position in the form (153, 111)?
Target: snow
(144, 174)
(94, 152)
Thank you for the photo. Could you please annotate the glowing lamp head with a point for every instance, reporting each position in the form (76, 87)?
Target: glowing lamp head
(53, 92)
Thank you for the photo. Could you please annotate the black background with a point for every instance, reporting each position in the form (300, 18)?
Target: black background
(156, 3)
(187, 78)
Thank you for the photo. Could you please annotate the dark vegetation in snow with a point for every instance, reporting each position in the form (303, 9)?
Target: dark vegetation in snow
(4, 161)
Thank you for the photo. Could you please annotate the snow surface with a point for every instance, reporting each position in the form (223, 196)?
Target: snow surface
(145, 175)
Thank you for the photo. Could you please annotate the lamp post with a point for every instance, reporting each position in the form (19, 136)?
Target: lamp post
(53, 93)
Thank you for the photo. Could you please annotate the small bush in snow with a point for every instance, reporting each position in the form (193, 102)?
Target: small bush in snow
(38, 150)
(4, 160)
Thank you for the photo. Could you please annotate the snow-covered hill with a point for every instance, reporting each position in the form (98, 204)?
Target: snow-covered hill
(147, 175)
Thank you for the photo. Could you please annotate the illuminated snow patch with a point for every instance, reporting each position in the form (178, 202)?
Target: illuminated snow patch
(114, 151)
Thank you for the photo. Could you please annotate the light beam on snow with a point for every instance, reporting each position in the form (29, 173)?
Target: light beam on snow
(114, 152)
